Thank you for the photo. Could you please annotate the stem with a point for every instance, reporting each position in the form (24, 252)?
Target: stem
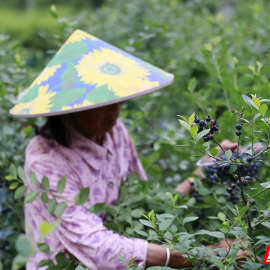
(252, 133)
(219, 145)
(248, 216)
(238, 147)
(259, 193)
(261, 222)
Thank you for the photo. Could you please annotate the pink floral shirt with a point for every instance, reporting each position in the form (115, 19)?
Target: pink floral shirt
(85, 164)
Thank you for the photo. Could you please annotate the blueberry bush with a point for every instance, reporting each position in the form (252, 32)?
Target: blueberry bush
(219, 54)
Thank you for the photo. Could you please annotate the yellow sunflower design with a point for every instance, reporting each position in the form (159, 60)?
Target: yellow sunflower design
(121, 74)
(84, 104)
(41, 104)
(80, 35)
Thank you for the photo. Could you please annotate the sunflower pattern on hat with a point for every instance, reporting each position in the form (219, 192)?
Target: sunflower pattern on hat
(87, 73)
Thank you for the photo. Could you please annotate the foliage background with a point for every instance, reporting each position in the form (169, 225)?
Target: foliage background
(170, 34)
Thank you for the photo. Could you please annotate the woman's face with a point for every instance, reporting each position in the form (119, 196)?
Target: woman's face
(97, 121)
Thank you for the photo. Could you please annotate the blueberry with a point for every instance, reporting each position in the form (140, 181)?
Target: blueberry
(225, 194)
(211, 137)
(206, 138)
(238, 183)
(224, 183)
(238, 132)
(237, 197)
(240, 166)
(201, 123)
(192, 184)
(211, 131)
(234, 202)
(237, 189)
(227, 167)
(253, 212)
(212, 177)
(229, 189)
(197, 120)
(252, 202)
(199, 199)
(213, 122)
(215, 128)
(245, 184)
(200, 129)
(195, 211)
(213, 182)
(249, 159)
(233, 186)
(208, 118)
(248, 178)
(195, 194)
(238, 126)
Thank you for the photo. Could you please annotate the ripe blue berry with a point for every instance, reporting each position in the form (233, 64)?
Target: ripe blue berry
(245, 184)
(253, 212)
(213, 182)
(192, 184)
(200, 129)
(240, 166)
(248, 178)
(202, 123)
(197, 120)
(213, 122)
(233, 186)
(211, 137)
(238, 132)
(224, 183)
(227, 167)
(208, 118)
(249, 159)
(238, 126)
(238, 183)
(252, 202)
(206, 138)
(229, 189)
(225, 194)
(215, 128)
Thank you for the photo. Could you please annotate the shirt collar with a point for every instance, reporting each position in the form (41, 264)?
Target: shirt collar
(91, 152)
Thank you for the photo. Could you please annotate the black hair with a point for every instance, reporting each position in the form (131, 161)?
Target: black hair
(54, 129)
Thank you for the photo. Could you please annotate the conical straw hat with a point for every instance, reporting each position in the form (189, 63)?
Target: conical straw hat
(88, 73)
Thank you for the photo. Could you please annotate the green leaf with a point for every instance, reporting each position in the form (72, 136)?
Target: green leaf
(43, 247)
(228, 154)
(217, 234)
(189, 219)
(33, 178)
(45, 183)
(184, 124)
(43, 263)
(99, 208)
(169, 195)
(79, 267)
(191, 119)
(31, 196)
(13, 171)
(193, 131)
(232, 169)
(14, 185)
(247, 100)
(214, 152)
(19, 193)
(60, 209)
(146, 223)
(61, 185)
(143, 233)
(44, 197)
(23, 245)
(175, 198)
(83, 196)
(201, 134)
(218, 263)
(52, 206)
(192, 84)
(21, 173)
(121, 258)
(150, 213)
(263, 109)
(264, 70)
(131, 261)
(243, 210)
(164, 225)
(9, 177)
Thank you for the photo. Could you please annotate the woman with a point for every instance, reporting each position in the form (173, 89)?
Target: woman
(90, 146)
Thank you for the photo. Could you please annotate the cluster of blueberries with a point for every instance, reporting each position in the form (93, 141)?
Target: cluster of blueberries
(207, 123)
(199, 214)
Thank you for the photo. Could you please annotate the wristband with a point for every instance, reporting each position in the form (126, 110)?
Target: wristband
(168, 257)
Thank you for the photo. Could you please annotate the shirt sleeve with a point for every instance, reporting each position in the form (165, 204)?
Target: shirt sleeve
(135, 164)
(81, 232)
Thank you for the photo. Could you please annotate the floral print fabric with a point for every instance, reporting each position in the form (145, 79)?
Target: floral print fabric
(85, 164)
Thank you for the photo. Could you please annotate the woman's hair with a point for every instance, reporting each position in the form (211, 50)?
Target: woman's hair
(54, 129)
